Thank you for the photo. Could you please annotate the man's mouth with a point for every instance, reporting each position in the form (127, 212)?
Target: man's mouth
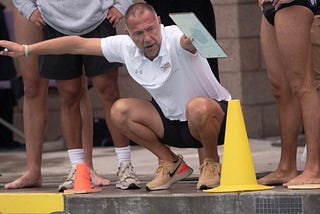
(148, 46)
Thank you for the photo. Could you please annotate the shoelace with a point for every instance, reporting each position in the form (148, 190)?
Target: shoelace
(127, 171)
(71, 175)
(163, 169)
(212, 167)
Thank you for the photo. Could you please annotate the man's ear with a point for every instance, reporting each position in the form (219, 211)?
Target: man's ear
(159, 19)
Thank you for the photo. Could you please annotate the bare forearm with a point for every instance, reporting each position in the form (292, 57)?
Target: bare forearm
(62, 45)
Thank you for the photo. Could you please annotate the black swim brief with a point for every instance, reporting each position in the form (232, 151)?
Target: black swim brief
(269, 11)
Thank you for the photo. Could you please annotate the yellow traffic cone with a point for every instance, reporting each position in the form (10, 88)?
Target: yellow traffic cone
(237, 172)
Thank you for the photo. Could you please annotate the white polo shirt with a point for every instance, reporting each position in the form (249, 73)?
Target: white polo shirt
(173, 77)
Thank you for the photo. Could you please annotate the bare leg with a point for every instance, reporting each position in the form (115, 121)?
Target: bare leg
(204, 119)
(70, 111)
(296, 53)
(289, 110)
(87, 134)
(106, 86)
(296, 57)
(201, 155)
(34, 105)
(141, 128)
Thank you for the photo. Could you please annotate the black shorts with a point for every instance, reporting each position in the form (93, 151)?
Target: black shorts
(177, 133)
(269, 11)
(65, 67)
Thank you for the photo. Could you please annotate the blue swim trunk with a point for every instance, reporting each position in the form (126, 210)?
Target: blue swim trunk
(269, 11)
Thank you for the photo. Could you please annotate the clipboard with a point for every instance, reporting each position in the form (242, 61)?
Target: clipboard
(190, 25)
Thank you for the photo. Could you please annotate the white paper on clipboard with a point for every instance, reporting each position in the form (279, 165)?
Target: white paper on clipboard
(190, 25)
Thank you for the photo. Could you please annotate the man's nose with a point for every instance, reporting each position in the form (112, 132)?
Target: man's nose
(147, 35)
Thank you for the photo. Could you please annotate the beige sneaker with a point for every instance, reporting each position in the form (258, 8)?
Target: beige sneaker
(209, 174)
(168, 173)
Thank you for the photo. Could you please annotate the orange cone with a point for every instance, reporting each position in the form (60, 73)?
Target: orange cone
(82, 182)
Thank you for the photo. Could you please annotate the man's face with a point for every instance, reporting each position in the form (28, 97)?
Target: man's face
(145, 32)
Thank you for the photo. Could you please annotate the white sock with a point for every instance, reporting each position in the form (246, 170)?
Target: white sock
(76, 156)
(123, 154)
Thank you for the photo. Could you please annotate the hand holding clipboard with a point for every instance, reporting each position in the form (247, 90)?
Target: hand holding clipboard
(190, 25)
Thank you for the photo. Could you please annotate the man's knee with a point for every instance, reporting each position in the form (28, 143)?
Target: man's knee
(70, 97)
(111, 94)
(199, 109)
(35, 89)
(119, 112)
(299, 87)
(280, 89)
(109, 91)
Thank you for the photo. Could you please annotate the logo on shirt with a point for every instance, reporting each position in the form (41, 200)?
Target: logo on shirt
(138, 71)
(165, 67)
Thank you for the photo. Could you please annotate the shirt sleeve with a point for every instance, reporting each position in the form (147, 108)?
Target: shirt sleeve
(25, 7)
(113, 48)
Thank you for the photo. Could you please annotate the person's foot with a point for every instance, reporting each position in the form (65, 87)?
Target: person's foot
(98, 180)
(209, 174)
(128, 179)
(169, 173)
(276, 178)
(25, 181)
(68, 183)
(305, 178)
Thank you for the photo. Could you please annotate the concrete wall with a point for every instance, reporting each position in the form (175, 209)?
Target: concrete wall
(242, 72)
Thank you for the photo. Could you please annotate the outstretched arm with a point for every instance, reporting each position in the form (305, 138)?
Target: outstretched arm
(62, 45)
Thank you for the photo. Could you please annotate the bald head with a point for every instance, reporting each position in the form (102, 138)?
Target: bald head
(136, 10)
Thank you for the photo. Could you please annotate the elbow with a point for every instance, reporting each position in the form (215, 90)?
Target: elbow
(76, 42)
